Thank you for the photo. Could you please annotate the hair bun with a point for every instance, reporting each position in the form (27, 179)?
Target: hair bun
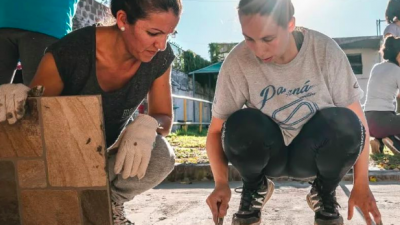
(115, 6)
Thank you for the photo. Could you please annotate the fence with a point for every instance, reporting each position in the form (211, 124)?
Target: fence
(185, 123)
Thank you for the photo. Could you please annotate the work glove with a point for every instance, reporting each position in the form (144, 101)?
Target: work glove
(12, 102)
(135, 144)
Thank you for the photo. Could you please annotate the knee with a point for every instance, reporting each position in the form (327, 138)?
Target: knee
(344, 127)
(245, 120)
(249, 129)
(339, 117)
(341, 121)
(375, 125)
(164, 154)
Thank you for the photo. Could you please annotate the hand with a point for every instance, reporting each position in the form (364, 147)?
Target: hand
(362, 197)
(134, 147)
(12, 102)
(220, 196)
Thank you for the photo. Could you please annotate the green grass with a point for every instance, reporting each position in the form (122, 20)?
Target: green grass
(386, 160)
(191, 155)
(187, 141)
(192, 131)
(190, 145)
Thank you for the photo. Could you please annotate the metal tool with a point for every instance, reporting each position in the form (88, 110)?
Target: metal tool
(220, 221)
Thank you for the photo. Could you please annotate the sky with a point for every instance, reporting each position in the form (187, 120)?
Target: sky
(207, 21)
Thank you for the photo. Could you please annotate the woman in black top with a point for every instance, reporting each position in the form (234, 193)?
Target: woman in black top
(123, 63)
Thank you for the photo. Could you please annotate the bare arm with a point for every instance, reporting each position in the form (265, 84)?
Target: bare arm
(361, 195)
(218, 200)
(47, 76)
(160, 102)
(218, 161)
(361, 166)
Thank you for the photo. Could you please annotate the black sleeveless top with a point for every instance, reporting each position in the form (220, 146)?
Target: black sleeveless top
(75, 58)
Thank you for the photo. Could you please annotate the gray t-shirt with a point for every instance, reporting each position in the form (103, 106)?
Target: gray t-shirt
(392, 29)
(320, 76)
(383, 86)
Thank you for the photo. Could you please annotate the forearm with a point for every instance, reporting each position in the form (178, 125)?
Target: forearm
(165, 122)
(362, 165)
(218, 161)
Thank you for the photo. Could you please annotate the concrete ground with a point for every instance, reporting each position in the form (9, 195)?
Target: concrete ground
(184, 204)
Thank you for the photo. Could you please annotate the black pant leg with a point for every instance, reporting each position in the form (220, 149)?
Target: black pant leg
(253, 143)
(328, 146)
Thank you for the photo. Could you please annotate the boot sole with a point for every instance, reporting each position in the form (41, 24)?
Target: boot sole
(390, 145)
(338, 221)
(271, 188)
(324, 222)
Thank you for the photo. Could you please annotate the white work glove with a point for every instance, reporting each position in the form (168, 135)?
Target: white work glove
(134, 145)
(12, 102)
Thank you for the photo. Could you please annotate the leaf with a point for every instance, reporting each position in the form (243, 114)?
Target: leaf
(372, 179)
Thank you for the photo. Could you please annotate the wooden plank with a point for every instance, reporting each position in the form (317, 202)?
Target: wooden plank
(40, 207)
(74, 141)
(31, 174)
(22, 139)
(9, 213)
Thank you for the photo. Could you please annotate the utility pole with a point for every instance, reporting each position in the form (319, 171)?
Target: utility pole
(378, 26)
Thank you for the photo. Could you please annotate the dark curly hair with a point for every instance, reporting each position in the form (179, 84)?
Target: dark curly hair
(392, 11)
(140, 9)
(391, 49)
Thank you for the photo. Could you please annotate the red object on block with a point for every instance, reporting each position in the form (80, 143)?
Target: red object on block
(141, 109)
(19, 66)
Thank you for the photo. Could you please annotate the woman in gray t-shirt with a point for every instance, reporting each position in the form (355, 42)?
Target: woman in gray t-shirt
(303, 117)
(381, 105)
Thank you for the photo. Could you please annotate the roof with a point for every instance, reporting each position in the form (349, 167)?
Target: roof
(368, 42)
(214, 68)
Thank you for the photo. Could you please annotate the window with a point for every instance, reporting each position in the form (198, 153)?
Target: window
(356, 63)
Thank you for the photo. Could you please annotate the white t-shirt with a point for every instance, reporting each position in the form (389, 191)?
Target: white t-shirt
(320, 76)
(383, 86)
(392, 29)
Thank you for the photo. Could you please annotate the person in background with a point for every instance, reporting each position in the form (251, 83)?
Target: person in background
(392, 16)
(380, 105)
(27, 27)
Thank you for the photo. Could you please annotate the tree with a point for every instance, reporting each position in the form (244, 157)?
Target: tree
(187, 61)
(218, 51)
(214, 52)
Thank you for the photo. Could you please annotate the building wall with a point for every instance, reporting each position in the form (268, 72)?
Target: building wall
(182, 85)
(89, 12)
(370, 57)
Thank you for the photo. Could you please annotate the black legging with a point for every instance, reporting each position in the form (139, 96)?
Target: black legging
(327, 146)
(383, 124)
